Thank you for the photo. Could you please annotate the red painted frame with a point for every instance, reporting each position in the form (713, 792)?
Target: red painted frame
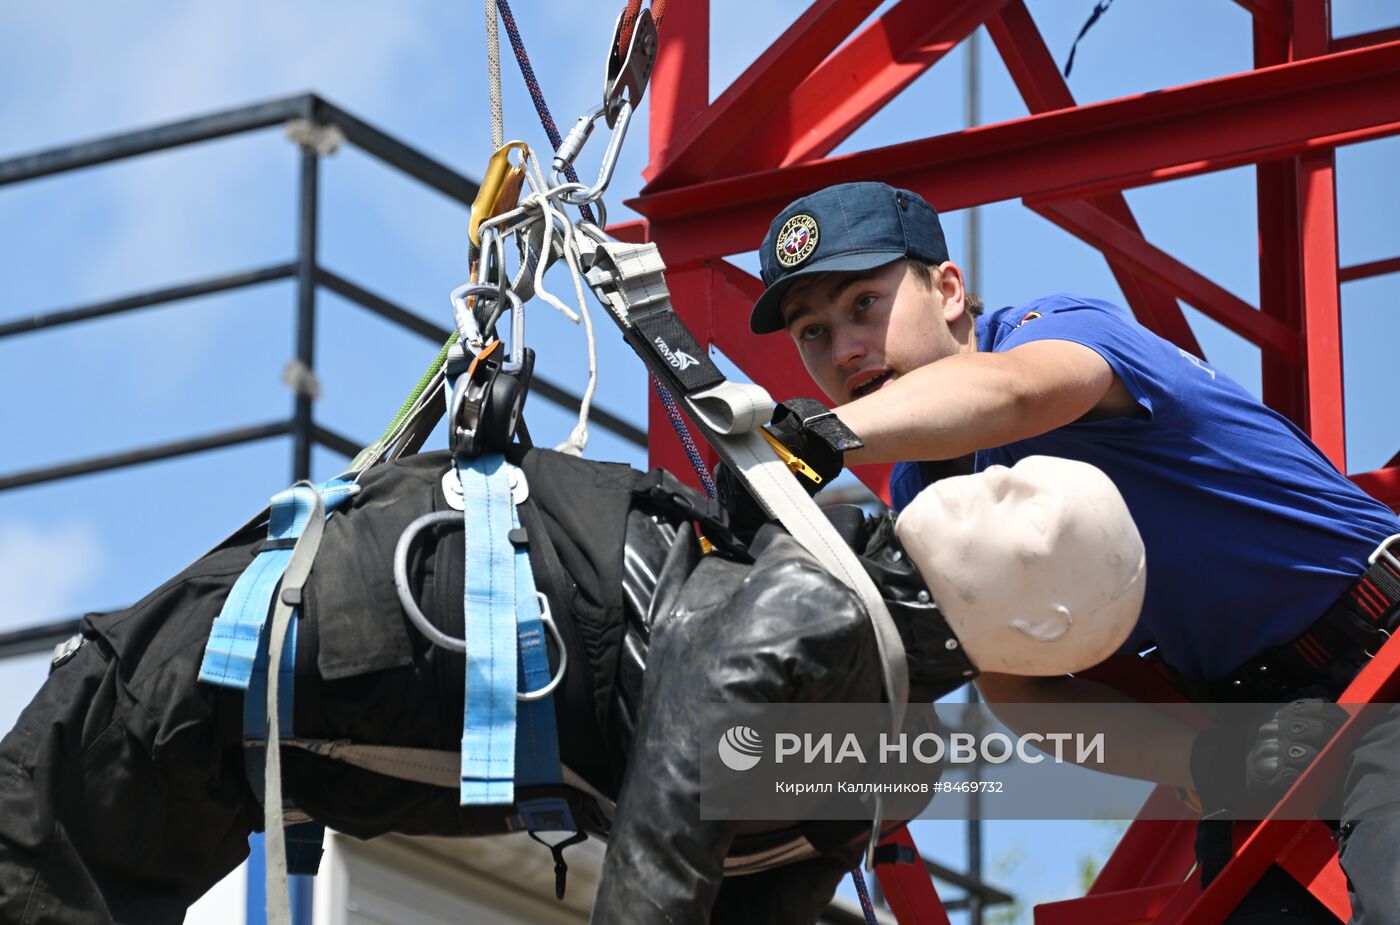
(719, 171)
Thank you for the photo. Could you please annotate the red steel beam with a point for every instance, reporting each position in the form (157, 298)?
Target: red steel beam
(857, 81)
(1129, 248)
(1366, 270)
(1125, 907)
(750, 99)
(680, 79)
(1270, 113)
(1280, 243)
(1038, 79)
(1378, 682)
(1322, 308)
(1381, 484)
(908, 888)
(1365, 39)
(1271, 14)
(680, 82)
(1311, 859)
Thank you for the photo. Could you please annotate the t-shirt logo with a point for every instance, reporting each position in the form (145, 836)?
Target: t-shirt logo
(1196, 361)
(797, 239)
(1030, 316)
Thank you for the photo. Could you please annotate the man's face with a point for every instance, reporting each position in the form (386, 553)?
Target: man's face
(856, 332)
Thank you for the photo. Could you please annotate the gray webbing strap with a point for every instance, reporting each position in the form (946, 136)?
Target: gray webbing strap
(274, 839)
(630, 278)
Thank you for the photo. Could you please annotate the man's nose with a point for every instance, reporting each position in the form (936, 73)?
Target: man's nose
(846, 349)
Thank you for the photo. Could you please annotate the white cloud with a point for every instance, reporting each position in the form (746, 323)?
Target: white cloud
(43, 569)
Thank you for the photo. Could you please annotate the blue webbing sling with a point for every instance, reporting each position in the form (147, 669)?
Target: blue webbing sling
(236, 655)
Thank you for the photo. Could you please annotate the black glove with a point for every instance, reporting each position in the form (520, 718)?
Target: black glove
(811, 433)
(815, 435)
(745, 514)
(1243, 769)
(1287, 743)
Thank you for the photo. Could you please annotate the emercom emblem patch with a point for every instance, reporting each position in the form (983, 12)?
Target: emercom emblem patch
(797, 239)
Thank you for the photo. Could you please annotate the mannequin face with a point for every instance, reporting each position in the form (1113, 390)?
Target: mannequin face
(1038, 568)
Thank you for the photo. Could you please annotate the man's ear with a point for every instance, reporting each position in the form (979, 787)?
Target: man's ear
(950, 286)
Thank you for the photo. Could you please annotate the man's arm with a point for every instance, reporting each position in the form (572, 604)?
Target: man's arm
(974, 401)
(1145, 744)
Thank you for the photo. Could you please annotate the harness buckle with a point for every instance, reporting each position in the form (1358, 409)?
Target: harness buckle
(1383, 552)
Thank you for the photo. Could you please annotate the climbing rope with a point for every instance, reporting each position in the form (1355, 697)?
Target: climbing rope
(493, 77)
(866, 905)
(527, 71)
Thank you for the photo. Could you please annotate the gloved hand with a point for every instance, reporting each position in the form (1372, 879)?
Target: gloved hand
(1242, 771)
(1287, 743)
(815, 435)
(809, 431)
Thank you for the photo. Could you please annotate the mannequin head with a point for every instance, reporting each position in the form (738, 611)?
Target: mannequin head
(1038, 568)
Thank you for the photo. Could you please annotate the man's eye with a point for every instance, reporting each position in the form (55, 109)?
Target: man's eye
(866, 301)
(812, 332)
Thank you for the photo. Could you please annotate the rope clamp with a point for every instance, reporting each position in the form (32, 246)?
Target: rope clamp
(628, 75)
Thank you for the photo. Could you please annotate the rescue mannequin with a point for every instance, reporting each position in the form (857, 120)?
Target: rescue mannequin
(661, 626)
(1038, 568)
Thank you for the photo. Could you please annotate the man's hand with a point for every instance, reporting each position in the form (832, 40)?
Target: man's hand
(815, 436)
(815, 442)
(1246, 771)
(1287, 743)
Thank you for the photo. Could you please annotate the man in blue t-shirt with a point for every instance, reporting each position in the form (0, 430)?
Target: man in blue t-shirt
(1257, 548)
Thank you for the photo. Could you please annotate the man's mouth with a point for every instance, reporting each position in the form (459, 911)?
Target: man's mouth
(872, 385)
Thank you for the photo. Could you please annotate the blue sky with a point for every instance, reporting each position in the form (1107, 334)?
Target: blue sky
(416, 69)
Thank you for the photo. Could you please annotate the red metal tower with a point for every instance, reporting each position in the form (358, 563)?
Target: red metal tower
(720, 170)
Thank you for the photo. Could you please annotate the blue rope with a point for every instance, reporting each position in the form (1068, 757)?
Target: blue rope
(1099, 9)
(866, 905)
(550, 129)
(674, 413)
(536, 94)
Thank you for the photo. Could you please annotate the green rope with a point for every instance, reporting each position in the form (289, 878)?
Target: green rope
(408, 402)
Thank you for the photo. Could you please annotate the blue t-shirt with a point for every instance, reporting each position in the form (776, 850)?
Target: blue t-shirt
(1250, 532)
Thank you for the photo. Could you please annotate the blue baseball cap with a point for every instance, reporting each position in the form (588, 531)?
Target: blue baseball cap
(846, 228)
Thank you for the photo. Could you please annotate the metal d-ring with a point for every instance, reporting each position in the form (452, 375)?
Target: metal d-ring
(410, 606)
(437, 636)
(1385, 637)
(547, 618)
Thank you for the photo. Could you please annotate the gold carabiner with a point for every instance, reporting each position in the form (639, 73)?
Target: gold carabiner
(500, 187)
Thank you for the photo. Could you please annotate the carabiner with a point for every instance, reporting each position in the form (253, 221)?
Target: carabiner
(574, 143)
(500, 187)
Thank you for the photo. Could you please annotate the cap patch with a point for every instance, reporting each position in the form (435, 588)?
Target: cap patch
(797, 239)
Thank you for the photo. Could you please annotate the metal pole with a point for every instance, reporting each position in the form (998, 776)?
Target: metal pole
(306, 313)
(970, 271)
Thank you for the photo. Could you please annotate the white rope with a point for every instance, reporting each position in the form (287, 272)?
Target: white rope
(554, 221)
(493, 71)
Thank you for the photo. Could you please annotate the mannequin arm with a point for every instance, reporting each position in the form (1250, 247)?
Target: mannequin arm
(973, 401)
(1145, 744)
